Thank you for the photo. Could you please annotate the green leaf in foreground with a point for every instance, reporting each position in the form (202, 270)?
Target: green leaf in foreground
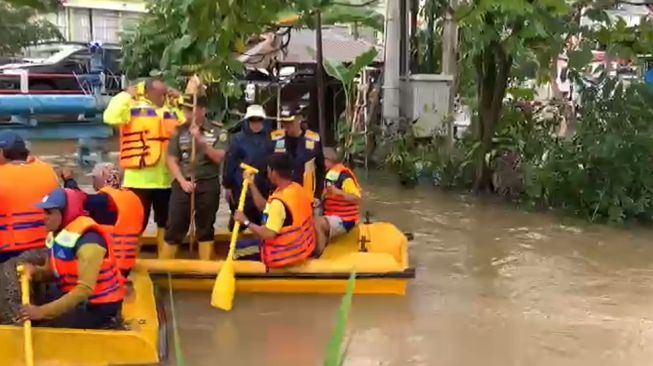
(335, 353)
(179, 355)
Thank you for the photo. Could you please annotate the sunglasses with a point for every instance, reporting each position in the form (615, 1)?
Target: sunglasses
(256, 119)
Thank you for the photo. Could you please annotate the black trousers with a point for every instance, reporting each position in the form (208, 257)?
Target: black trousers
(156, 199)
(251, 212)
(207, 202)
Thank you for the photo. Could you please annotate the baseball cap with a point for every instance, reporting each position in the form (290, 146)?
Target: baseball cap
(11, 140)
(54, 199)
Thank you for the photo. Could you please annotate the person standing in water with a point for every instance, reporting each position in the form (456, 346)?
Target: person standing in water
(146, 124)
(210, 140)
(251, 146)
(304, 147)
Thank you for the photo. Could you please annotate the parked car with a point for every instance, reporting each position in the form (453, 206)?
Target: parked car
(65, 59)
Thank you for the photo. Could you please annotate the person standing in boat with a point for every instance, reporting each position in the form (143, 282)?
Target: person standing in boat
(341, 200)
(288, 231)
(24, 180)
(118, 209)
(304, 147)
(210, 140)
(82, 265)
(251, 146)
(146, 124)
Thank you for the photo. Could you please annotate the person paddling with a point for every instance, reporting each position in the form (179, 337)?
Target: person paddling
(82, 265)
(288, 232)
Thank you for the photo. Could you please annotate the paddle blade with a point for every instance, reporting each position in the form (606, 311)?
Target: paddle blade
(224, 287)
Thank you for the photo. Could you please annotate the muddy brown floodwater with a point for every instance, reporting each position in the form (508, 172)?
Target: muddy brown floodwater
(495, 287)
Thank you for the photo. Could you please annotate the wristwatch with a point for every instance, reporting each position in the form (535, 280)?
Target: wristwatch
(246, 224)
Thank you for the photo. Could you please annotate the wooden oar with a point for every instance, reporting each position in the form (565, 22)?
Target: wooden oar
(224, 287)
(27, 325)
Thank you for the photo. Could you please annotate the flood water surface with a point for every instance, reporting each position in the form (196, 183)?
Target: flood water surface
(495, 287)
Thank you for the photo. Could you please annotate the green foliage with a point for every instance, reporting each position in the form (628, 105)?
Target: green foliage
(508, 41)
(603, 173)
(336, 349)
(21, 27)
(178, 38)
(351, 142)
(196, 36)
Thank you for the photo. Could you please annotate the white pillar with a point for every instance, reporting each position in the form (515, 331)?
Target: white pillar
(391, 62)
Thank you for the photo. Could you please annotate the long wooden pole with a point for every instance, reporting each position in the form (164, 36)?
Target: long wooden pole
(193, 167)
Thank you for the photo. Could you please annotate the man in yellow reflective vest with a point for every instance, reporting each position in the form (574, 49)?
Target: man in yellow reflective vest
(146, 124)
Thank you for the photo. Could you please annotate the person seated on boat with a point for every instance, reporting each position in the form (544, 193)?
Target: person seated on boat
(341, 200)
(81, 264)
(24, 180)
(119, 209)
(288, 232)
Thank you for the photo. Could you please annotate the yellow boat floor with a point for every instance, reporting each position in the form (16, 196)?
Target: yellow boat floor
(79, 347)
(382, 269)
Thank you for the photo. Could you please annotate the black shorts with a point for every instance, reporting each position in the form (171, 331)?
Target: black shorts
(157, 199)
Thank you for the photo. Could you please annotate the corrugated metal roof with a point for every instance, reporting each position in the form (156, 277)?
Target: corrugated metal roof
(338, 45)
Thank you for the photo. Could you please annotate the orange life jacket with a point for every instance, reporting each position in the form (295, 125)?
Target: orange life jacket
(296, 241)
(21, 187)
(144, 139)
(127, 229)
(336, 205)
(63, 260)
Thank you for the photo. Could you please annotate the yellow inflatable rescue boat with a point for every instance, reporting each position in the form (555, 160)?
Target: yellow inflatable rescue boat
(144, 341)
(378, 253)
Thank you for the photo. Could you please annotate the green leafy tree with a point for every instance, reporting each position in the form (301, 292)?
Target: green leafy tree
(346, 74)
(21, 25)
(499, 37)
(205, 37)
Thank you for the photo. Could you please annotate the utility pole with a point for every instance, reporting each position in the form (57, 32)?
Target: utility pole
(391, 63)
(319, 76)
(450, 57)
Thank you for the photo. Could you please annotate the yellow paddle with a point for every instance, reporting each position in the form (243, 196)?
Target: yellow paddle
(225, 284)
(27, 325)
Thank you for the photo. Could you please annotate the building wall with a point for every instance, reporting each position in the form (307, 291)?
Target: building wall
(96, 20)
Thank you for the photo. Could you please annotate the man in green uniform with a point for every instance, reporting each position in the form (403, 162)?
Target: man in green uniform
(210, 140)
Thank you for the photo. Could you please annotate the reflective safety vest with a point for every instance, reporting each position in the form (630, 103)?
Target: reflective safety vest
(296, 241)
(336, 205)
(63, 260)
(22, 186)
(143, 140)
(303, 158)
(127, 229)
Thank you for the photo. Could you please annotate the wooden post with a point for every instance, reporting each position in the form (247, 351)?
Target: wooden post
(319, 76)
